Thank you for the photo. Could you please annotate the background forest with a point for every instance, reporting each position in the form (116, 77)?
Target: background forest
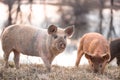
(101, 16)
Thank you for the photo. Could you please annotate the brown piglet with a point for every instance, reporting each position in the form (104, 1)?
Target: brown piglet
(28, 40)
(96, 50)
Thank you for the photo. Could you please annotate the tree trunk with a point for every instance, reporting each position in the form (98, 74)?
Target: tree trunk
(111, 29)
(101, 16)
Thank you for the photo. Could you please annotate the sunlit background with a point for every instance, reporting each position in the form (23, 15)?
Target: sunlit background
(85, 15)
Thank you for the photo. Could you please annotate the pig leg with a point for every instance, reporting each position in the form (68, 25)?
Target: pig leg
(118, 61)
(16, 58)
(112, 57)
(79, 55)
(6, 57)
(47, 63)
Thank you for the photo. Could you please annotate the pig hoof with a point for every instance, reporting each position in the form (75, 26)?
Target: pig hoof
(76, 66)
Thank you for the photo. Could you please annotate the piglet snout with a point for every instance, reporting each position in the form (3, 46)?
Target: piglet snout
(62, 45)
(95, 71)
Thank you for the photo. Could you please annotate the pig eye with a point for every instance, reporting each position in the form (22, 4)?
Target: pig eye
(55, 36)
(100, 65)
(64, 37)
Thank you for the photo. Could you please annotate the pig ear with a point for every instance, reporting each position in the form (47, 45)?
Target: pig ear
(69, 31)
(88, 56)
(52, 29)
(106, 57)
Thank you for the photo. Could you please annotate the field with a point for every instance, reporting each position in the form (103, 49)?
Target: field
(38, 72)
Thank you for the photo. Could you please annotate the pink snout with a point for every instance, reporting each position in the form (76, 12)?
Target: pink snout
(62, 45)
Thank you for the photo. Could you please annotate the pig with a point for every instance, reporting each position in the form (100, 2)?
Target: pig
(32, 41)
(96, 50)
(115, 50)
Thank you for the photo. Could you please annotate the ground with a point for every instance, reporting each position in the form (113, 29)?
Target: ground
(38, 72)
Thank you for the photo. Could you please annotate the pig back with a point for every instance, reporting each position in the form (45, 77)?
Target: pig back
(94, 42)
(22, 38)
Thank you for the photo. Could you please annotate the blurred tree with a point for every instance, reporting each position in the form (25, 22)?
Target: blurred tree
(30, 14)
(10, 5)
(101, 15)
(111, 29)
(76, 16)
(17, 12)
(80, 20)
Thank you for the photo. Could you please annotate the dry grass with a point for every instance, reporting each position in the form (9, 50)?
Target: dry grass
(38, 72)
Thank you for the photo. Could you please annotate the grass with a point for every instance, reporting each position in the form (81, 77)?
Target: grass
(38, 72)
